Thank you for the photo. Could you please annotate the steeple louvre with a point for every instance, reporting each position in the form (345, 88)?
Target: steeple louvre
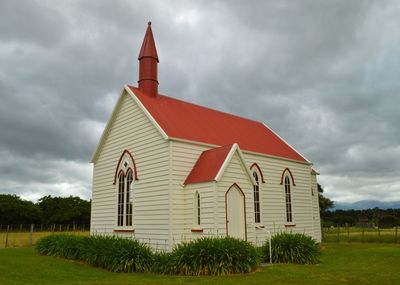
(148, 61)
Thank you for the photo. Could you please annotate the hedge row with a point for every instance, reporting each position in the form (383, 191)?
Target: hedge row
(113, 254)
(203, 256)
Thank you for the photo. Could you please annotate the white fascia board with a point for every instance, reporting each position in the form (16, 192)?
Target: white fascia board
(249, 174)
(287, 143)
(146, 112)
(226, 162)
(235, 148)
(106, 129)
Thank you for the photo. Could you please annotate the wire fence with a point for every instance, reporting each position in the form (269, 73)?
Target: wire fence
(361, 234)
(23, 235)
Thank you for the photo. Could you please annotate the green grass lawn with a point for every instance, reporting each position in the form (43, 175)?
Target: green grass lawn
(346, 263)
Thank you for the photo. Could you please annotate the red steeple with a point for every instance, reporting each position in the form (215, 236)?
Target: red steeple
(148, 60)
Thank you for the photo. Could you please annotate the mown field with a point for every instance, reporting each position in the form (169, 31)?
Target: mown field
(358, 234)
(22, 239)
(341, 263)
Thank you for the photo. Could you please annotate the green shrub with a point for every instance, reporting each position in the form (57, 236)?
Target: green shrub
(204, 256)
(111, 253)
(210, 256)
(292, 248)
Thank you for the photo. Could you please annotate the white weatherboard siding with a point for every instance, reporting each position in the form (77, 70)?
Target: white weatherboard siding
(315, 201)
(184, 156)
(207, 217)
(132, 130)
(272, 195)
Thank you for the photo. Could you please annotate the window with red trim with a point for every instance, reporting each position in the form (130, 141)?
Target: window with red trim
(256, 192)
(125, 180)
(121, 196)
(197, 209)
(128, 198)
(288, 200)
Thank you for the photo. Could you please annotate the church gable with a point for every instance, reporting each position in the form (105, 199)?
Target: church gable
(127, 103)
(212, 164)
(131, 135)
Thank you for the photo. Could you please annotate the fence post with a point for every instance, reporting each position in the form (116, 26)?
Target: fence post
(8, 229)
(363, 233)
(379, 234)
(338, 230)
(348, 233)
(30, 235)
(396, 234)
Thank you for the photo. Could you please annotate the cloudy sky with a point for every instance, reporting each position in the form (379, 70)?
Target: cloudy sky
(325, 75)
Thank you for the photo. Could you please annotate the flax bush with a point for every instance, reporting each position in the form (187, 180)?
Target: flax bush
(204, 256)
(111, 253)
(210, 256)
(292, 248)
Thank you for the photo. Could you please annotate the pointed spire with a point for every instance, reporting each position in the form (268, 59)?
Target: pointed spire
(148, 61)
(148, 47)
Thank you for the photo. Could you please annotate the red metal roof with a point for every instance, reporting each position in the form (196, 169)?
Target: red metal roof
(180, 119)
(148, 48)
(208, 165)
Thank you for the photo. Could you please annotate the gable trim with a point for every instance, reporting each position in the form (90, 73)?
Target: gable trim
(235, 149)
(259, 170)
(112, 118)
(290, 174)
(119, 161)
(107, 129)
(146, 112)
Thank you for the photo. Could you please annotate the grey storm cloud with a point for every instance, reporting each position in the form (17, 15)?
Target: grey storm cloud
(322, 74)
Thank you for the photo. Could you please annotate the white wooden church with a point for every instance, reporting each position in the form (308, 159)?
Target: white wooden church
(166, 171)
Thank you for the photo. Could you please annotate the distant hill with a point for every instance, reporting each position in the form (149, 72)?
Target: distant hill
(366, 204)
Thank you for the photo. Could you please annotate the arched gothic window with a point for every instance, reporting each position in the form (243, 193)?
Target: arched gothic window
(121, 195)
(125, 180)
(256, 191)
(128, 198)
(288, 199)
(197, 209)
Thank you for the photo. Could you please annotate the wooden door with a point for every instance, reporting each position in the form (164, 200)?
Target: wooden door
(235, 213)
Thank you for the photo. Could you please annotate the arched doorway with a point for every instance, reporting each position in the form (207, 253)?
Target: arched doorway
(235, 212)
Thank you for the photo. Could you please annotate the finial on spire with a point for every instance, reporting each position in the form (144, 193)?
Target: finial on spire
(148, 60)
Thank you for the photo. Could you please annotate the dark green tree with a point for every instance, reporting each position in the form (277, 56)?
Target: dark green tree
(65, 210)
(324, 203)
(388, 221)
(14, 210)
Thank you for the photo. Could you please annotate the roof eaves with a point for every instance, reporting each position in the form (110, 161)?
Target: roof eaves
(243, 151)
(287, 143)
(313, 171)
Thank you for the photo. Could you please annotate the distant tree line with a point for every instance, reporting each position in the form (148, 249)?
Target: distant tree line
(376, 217)
(48, 210)
(363, 218)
